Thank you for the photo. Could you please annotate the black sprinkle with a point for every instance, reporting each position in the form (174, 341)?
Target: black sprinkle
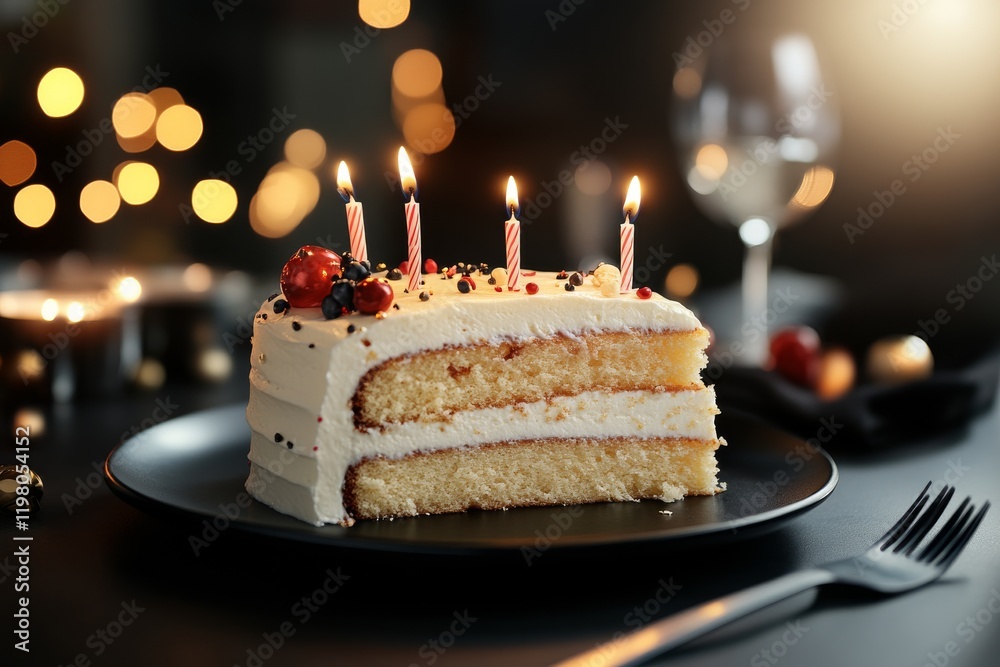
(351, 328)
(492, 281)
(569, 287)
(280, 306)
(424, 296)
(278, 437)
(273, 297)
(396, 306)
(290, 445)
(296, 325)
(263, 316)
(312, 345)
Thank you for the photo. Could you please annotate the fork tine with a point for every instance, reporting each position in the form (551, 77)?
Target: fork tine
(963, 539)
(904, 521)
(951, 528)
(924, 524)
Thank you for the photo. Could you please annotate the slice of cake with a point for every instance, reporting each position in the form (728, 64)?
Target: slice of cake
(467, 395)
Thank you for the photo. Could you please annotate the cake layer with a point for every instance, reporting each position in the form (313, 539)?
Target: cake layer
(532, 472)
(440, 382)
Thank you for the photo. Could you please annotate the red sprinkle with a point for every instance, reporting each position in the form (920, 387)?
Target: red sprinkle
(404, 266)
(315, 448)
(319, 419)
(644, 293)
(531, 288)
(430, 266)
(528, 273)
(451, 271)
(498, 288)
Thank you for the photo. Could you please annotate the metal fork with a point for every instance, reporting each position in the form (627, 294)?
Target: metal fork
(891, 565)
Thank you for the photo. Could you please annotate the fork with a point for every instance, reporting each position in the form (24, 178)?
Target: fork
(892, 565)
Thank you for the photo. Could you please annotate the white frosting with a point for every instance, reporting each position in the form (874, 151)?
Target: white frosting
(303, 393)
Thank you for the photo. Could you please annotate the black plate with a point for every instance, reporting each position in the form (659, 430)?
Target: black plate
(197, 464)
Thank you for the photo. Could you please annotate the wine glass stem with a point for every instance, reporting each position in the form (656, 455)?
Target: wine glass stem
(756, 267)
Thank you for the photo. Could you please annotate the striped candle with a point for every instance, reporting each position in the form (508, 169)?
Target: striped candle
(408, 181)
(627, 235)
(512, 234)
(355, 214)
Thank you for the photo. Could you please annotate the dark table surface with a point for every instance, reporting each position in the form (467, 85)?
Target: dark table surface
(111, 585)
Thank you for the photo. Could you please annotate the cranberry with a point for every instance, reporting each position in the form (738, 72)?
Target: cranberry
(306, 277)
(404, 266)
(795, 353)
(644, 293)
(430, 266)
(531, 288)
(372, 295)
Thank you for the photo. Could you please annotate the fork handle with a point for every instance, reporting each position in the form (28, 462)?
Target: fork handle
(682, 627)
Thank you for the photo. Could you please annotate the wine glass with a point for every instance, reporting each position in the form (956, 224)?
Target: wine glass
(756, 129)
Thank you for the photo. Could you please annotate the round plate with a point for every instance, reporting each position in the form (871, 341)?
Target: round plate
(196, 465)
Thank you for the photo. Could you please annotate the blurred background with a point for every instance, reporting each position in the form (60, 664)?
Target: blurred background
(160, 162)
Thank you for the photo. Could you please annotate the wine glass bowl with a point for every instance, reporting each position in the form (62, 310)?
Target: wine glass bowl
(756, 130)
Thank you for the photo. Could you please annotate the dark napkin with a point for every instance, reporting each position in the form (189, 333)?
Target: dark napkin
(869, 416)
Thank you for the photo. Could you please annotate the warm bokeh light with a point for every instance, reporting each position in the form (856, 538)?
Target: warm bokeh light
(815, 187)
(60, 92)
(34, 205)
(75, 311)
(179, 128)
(305, 148)
(99, 201)
(213, 200)
(30, 365)
(137, 182)
(32, 419)
(285, 197)
(17, 162)
(383, 14)
(139, 144)
(687, 82)
(592, 177)
(214, 365)
(429, 128)
(417, 73)
(149, 375)
(681, 281)
(50, 309)
(133, 114)
(129, 289)
(197, 277)
(711, 161)
(165, 97)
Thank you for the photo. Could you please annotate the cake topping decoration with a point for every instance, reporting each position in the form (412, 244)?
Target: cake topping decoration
(430, 266)
(289, 444)
(499, 274)
(372, 295)
(531, 288)
(280, 306)
(562, 275)
(273, 297)
(464, 286)
(644, 293)
(296, 325)
(394, 274)
(305, 278)
(424, 296)
(576, 279)
(351, 328)
(278, 437)
(570, 287)
(606, 273)
(380, 266)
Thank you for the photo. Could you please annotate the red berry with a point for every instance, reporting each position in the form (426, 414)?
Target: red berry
(644, 293)
(430, 266)
(306, 277)
(795, 353)
(404, 266)
(531, 288)
(372, 295)
(498, 288)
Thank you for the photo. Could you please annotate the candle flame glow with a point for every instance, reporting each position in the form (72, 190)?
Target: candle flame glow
(631, 208)
(407, 180)
(344, 186)
(512, 203)
(75, 312)
(129, 289)
(50, 308)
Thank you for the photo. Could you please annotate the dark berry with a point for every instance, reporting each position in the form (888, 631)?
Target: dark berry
(356, 271)
(570, 287)
(280, 306)
(576, 280)
(331, 309)
(464, 287)
(424, 296)
(343, 293)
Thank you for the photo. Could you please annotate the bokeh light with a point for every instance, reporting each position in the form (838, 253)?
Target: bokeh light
(592, 177)
(17, 162)
(285, 197)
(687, 82)
(179, 127)
(681, 281)
(164, 97)
(50, 309)
(137, 182)
(99, 201)
(197, 277)
(815, 187)
(133, 114)
(34, 205)
(60, 92)
(305, 148)
(213, 200)
(383, 14)
(417, 73)
(429, 128)
(711, 161)
(75, 312)
(129, 289)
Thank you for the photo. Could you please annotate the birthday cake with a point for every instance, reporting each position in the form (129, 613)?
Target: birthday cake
(374, 401)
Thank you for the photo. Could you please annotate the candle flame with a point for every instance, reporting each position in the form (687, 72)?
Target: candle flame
(512, 203)
(344, 186)
(407, 180)
(631, 208)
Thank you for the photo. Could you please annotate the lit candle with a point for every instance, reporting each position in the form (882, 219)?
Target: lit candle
(355, 214)
(409, 184)
(631, 210)
(512, 229)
